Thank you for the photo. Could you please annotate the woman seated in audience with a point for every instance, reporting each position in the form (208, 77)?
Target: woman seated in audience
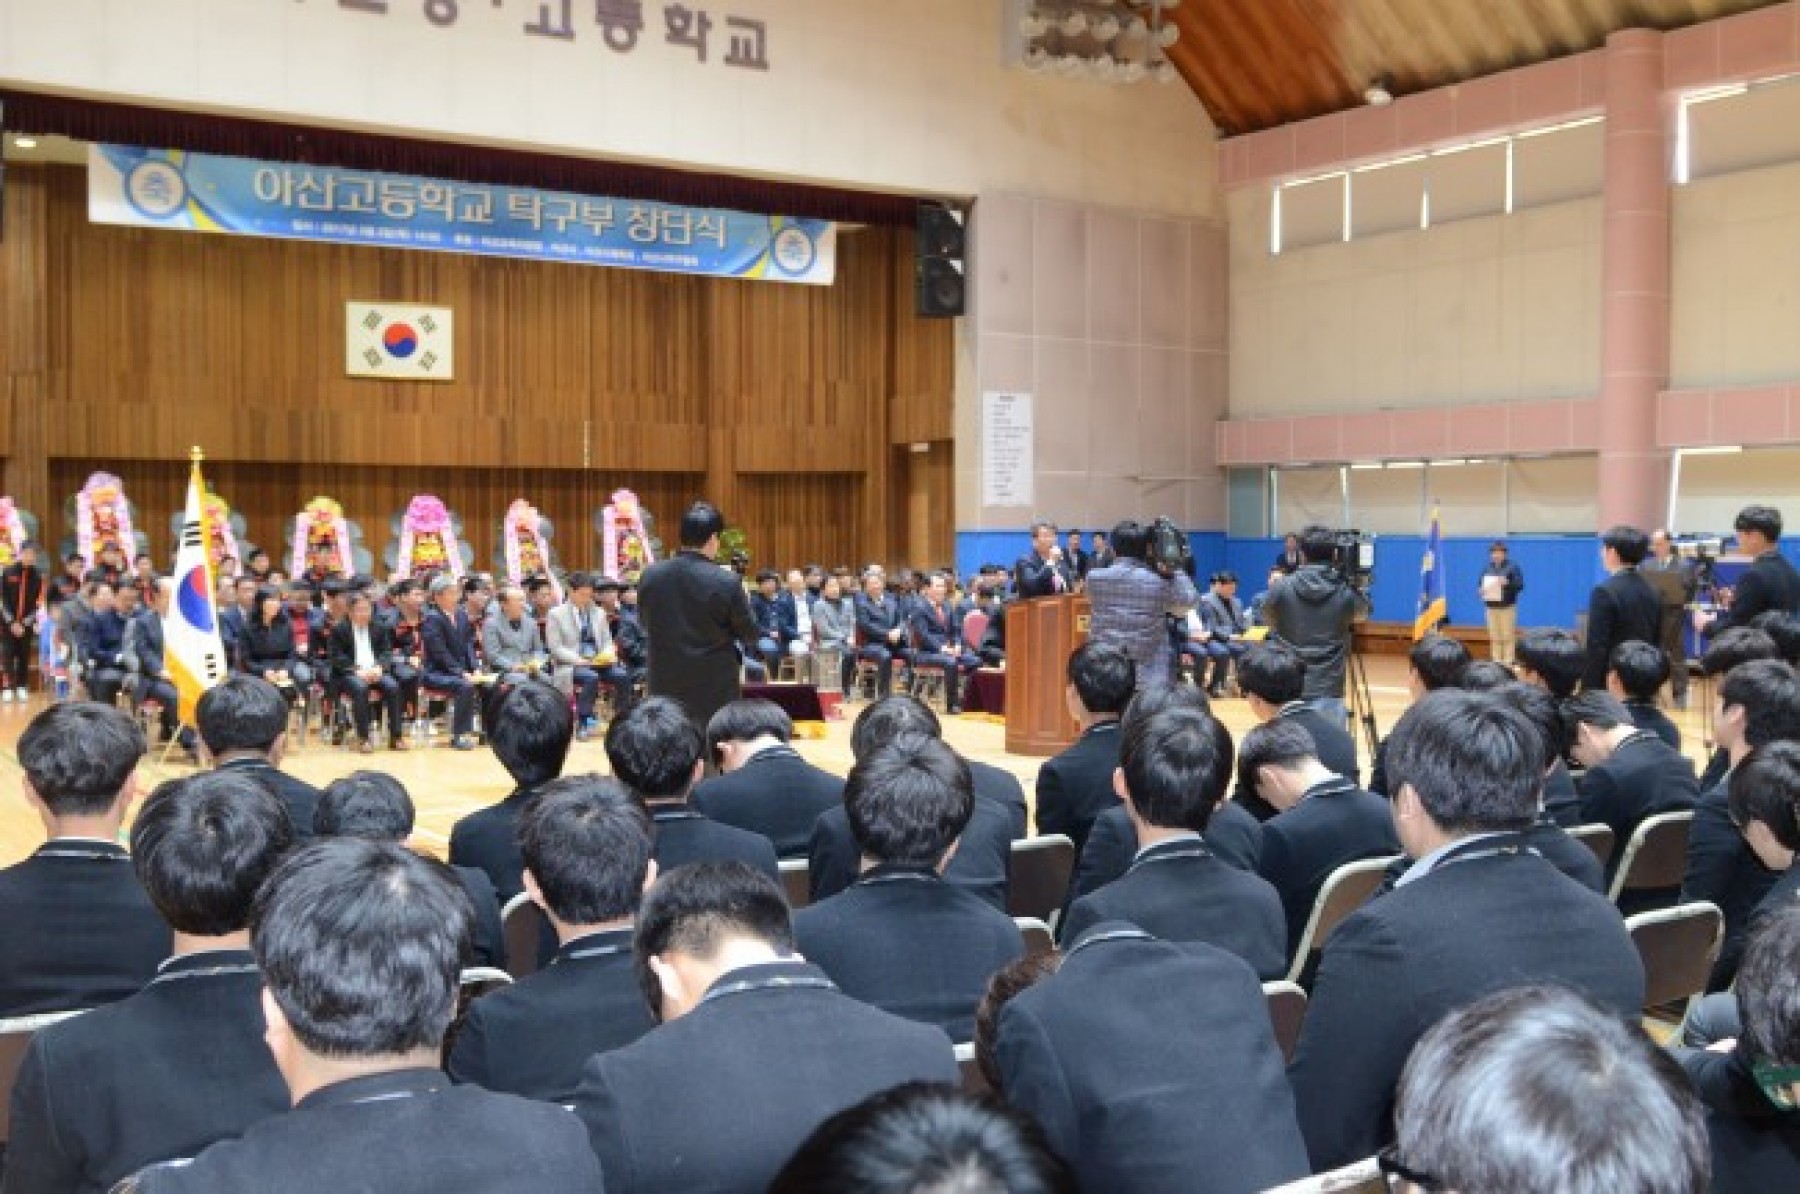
(834, 624)
(268, 650)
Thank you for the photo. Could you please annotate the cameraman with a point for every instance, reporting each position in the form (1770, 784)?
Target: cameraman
(1313, 611)
(1134, 596)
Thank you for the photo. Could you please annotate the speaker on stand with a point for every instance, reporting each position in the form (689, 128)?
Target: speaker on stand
(939, 287)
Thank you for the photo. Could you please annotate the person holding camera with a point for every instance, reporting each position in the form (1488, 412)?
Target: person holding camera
(1134, 596)
(1313, 611)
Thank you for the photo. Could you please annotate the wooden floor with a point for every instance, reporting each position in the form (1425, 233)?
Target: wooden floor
(447, 784)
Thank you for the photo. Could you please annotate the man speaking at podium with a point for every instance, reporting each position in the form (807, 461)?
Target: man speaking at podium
(1134, 596)
(1042, 571)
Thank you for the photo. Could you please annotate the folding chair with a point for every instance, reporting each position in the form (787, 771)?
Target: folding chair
(796, 881)
(523, 925)
(1287, 1012)
(973, 1080)
(1039, 880)
(1655, 858)
(1598, 838)
(15, 1038)
(1678, 946)
(1036, 933)
(935, 676)
(1348, 888)
(1364, 1177)
(974, 629)
(472, 984)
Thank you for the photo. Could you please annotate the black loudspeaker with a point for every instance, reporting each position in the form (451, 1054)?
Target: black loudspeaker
(938, 287)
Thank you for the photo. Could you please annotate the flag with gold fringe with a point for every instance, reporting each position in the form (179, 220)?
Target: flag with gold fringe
(1434, 605)
(193, 651)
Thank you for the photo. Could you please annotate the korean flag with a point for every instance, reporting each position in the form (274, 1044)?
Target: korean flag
(397, 341)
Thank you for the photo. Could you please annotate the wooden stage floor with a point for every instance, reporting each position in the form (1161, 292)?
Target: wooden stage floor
(446, 784)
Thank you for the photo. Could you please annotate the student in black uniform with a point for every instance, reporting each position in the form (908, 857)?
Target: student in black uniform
(1076, 786)
(900, 938)
(1631, 773)
(1323, 820)
(76, 929)
(1623, 607)
(376, 807)
(243, 727)
(1564, 1097)
(1273, 678)
(1573, 858)
(983, 857)
(756, 1047)
(359, 993)
(1151, 1067)
(586, 844)
(1435, 661)
(655, 750)
(1477, 911)
(764, 785)
(532, 730)
(1171, 775)
(181, 1064)
(1636, 675)
(1771, 582)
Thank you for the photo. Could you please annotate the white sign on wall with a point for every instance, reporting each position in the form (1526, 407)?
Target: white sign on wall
(1006, 459)
(394, 340)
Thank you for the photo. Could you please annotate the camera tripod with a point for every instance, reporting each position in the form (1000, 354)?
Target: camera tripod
(1362, 705)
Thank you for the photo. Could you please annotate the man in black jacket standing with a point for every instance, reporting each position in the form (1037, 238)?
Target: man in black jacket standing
(695, 614)
(1624, 607)
(1771, 582)
(1314, 611)
(21, 593)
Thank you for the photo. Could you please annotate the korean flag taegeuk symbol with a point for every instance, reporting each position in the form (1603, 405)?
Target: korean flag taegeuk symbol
(395, 340)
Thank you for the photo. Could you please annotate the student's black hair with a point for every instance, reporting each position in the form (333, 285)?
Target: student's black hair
(1318, 544)
(909, 801)
(746, 720)
(241, 713)
(587, 840)
(653, 748)
(1019, 975)
(1763, 520)
(1641, 668)
(1769, 694)
(1630, 543)
(371, 805)
(1544, 713)
(1273, 671)
(1174, 770)
(700, 522)
(1282, 742)
(1439, 660)
(78, 755)
(1471, 758)
(926, 1139)
(1784, 629)
(360, 945)
(1768, 988)
(1765, 787)
(1596, 708)
(1485, 675)
(1734, 647)
(533, 727)
(1556, 656)
(1104, 677)
(888, 717)
(694, 909)
(203, 845)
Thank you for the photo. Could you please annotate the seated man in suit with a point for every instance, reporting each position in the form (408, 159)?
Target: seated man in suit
(1435, 661)
(655, 750)
(880, 628)
(530, 736)
(1323, 820)
(901, 938)
(76, 929)
(763, 784)
(916, 1135)
(1272, 676)
(1750, 1081)
(1223, 623)
(1477, 912)
(511, 646)
(584, 655)
(1758, 704)
(1636, 676)
(937, 634)
(450, 666)
(376, 807)
(358, 995)
(1171, 776)
(361, 652)
(1631, 773)
(1589, 1104)
(181, 1064)
(755, 1049)
(586, 844)
(1151, 1067)
(102, 644)
(145, 657)
(1076, 786)
(983, 859)
(1232, 833)
(243, 727)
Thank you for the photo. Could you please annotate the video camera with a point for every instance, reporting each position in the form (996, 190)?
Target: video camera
(1168, 550)
(1353, 558)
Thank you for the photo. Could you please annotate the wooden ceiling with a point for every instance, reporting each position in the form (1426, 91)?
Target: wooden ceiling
(1259, 63)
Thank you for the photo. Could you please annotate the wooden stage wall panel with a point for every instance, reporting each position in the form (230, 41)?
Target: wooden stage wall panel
(124, 346)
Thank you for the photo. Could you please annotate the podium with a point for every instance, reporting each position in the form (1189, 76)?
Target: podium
(1041, 634)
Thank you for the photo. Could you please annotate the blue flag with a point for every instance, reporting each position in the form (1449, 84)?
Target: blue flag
(1434, 606)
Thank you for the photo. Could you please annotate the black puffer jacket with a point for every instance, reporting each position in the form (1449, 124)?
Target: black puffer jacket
(1312, 611)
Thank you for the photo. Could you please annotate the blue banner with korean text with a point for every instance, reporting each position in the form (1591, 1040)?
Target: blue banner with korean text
(197, 192)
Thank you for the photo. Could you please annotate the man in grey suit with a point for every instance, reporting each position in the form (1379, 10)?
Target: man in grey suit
(695, 614)
(583, 654)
